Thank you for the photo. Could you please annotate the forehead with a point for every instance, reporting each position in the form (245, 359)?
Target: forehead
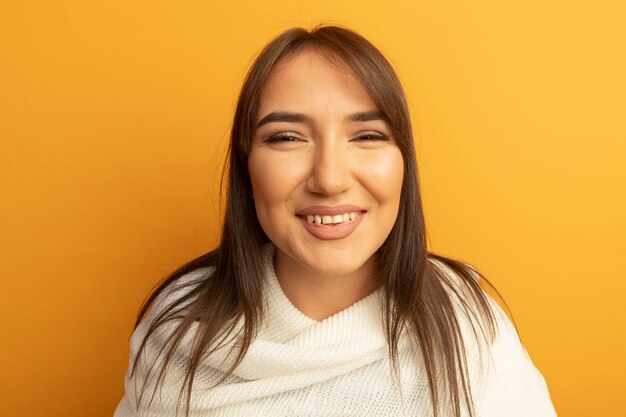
(311, 56)
(310, 81)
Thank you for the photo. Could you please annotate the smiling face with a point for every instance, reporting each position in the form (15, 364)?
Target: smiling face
(326, 171)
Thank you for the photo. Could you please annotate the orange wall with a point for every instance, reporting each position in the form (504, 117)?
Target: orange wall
(114, 120)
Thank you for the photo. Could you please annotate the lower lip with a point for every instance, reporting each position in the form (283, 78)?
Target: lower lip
(332, 232)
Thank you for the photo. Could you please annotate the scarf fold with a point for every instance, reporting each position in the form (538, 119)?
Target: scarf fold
(337, 366)
(290, 351)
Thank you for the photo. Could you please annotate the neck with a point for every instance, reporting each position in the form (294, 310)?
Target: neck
(319, 295)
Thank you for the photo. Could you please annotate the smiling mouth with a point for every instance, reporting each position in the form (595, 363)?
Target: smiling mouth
(331, 220)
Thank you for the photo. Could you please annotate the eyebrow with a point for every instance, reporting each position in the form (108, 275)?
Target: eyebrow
(283, 116)
(366, 116)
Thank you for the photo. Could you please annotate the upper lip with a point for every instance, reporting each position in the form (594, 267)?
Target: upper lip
(329, 210)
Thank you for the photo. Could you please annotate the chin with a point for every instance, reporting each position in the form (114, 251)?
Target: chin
(337, 267)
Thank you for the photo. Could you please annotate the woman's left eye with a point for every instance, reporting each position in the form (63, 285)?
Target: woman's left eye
(366, 137)
(282, 138)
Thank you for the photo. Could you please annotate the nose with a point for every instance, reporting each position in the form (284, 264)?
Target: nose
(331, 173)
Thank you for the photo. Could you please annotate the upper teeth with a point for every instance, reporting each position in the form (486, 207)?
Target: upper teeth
(337, 218)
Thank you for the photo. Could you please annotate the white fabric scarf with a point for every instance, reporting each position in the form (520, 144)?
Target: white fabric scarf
(291, 351)
(336, 367)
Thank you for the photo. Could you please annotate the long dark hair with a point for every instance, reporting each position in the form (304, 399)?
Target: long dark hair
(420, 296)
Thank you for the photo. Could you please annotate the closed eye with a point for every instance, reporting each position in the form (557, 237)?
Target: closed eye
(281, 138)
(367, 137)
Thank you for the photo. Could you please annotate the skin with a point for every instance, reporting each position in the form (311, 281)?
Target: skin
(324, 158)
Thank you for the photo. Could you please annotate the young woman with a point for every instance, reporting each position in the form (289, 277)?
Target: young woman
(322, 299)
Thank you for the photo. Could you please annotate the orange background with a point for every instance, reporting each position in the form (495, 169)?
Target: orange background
(114, 123)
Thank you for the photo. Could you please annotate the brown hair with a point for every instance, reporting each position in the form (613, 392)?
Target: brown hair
(420, 297)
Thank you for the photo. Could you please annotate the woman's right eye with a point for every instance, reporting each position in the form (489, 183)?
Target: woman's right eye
(282, 138)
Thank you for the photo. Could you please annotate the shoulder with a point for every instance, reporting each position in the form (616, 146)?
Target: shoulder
(153, 334)
(503, 377)
(477, 311)
(168, 307)
(469, 292)
(166, 310)
(179, 288)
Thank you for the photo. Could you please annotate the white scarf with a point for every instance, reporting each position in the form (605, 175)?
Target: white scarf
(298, 366)
(291, 350)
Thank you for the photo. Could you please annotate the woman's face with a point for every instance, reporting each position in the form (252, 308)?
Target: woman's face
(326, 171)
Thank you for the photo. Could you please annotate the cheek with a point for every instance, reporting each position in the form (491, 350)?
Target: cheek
(272, 185)
(265, 185)
(384, 177)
